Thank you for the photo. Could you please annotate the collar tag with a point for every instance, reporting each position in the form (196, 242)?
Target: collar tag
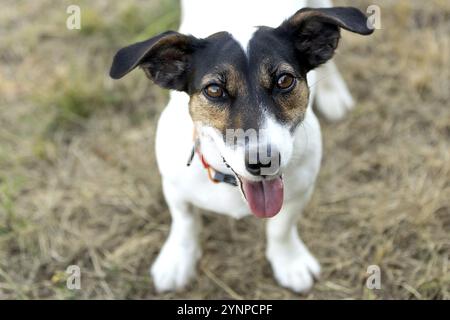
(227, 178)
(217, 176)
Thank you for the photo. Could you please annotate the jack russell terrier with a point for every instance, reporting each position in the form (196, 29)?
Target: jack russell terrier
(239, 135)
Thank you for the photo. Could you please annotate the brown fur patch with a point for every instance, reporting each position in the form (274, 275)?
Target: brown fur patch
(264, 74)
(235, 81)
(204, 111)
(293, 104)
(208, 112)
(228, 76)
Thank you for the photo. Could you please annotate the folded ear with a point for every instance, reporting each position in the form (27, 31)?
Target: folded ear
(315, 33)
(165, 59)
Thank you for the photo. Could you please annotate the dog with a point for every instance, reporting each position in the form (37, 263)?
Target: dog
(239, 135)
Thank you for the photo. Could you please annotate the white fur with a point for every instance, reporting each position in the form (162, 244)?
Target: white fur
(333, 98)
(244, 37)
(279, 137)
(294, 267)
(202, 18)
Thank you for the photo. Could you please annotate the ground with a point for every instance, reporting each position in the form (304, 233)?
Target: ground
(79, 183)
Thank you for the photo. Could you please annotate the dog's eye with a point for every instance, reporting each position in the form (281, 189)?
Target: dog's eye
(285, 82)
(214, 91)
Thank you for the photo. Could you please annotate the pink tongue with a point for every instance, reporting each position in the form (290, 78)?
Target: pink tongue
(265, 197)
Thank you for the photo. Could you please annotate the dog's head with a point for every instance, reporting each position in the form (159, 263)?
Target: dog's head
(247, 97)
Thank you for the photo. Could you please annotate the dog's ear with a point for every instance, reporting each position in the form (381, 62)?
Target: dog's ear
(315, 33)
(165, 59)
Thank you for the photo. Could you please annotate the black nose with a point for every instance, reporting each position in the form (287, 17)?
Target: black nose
(254, 167)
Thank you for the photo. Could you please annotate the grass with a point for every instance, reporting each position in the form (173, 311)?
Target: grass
(79, 182)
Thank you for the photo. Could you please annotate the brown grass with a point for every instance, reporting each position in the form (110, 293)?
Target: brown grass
(79, 183)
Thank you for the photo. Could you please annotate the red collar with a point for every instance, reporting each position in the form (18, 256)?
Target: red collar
(213, 175)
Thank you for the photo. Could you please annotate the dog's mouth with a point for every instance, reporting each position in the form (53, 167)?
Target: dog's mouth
(264, 197)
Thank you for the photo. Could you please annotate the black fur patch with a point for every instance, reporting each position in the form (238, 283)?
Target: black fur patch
(165, 59)
(315, 33)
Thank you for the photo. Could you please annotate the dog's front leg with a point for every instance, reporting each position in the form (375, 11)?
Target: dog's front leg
(293, 265)
(176, 263)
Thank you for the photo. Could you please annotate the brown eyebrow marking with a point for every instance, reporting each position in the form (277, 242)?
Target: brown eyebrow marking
(229, 77)
(212, 78)
(285, 67)
(264, 73)
(267, 71)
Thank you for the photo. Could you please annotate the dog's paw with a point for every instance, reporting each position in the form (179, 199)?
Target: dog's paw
(294, 269)
(174, 267)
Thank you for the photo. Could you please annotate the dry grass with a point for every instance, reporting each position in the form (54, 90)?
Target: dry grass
(79, 184)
